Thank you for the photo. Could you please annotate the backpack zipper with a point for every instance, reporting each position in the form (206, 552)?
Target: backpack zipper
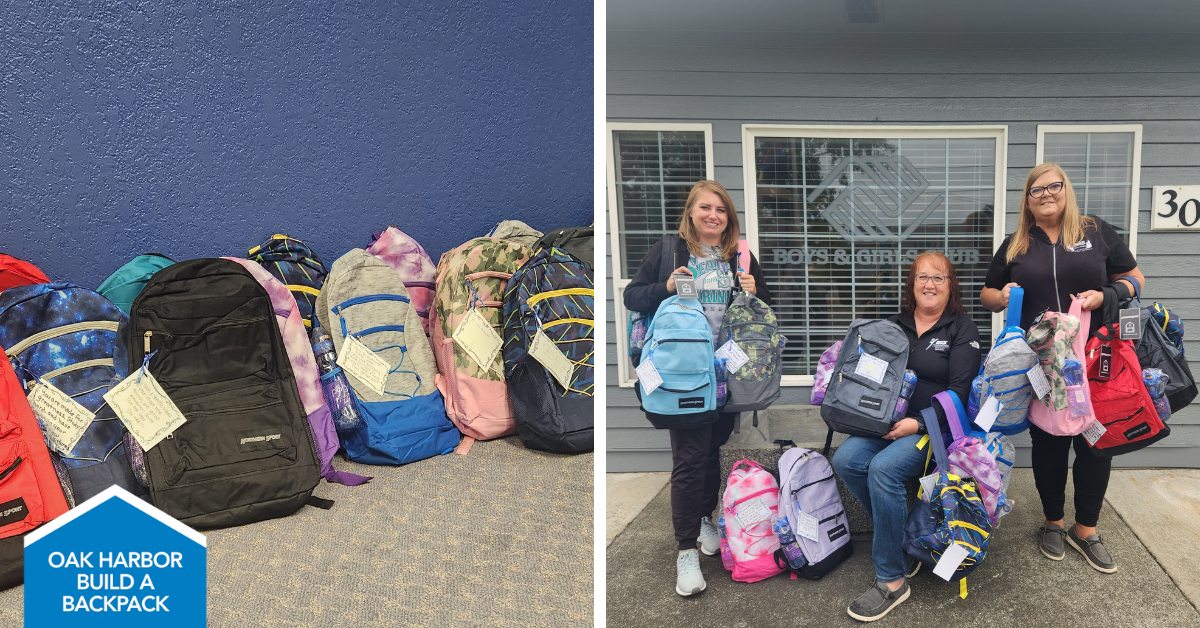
(12, 467)
(78, 366)
(43, 336)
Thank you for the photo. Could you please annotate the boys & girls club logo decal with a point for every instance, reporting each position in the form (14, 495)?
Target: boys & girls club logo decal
(115, 561)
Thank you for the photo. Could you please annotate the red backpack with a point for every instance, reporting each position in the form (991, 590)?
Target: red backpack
(1120, 401)
(30, 494)
(18, 272)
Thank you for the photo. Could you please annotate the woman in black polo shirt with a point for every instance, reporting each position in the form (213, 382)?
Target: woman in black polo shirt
(1054, 253)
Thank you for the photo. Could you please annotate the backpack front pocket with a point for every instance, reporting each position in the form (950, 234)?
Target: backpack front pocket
(21, 507)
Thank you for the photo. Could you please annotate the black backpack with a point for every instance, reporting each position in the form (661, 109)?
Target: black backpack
(1155, 349)
(578, 241)
(246, 452)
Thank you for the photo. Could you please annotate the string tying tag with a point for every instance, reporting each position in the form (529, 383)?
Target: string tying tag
(145, 365)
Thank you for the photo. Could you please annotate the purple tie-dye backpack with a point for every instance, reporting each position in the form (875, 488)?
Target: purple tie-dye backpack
(304, 368)
(825, 366)
(398, 250)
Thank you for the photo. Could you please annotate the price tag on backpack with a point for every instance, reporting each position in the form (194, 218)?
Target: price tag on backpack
(1037, 378)
(478, 339)
(949, 562)
(1094, 431)
(648, 376)
(988, 413)
(735, 358)
(808, 527)
(752, 512)
(545, 351)
(64, 419)
(145, 409)
(927, 485)
(871, 367)
(367, 367)
(1131, 324)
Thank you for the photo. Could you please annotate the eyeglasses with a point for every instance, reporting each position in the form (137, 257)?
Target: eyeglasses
(936, 279)
(1053, 188)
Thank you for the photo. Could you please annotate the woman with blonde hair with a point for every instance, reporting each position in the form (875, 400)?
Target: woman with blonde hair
(704, 247)
(1057, 253)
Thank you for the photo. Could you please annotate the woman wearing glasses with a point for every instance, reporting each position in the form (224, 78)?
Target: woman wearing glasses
(1056, 253)
(944, 353)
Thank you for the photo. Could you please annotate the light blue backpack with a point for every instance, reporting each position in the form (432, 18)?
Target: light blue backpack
(679, 343)
(1004, 374)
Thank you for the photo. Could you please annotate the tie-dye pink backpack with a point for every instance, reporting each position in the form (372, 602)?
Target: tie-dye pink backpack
(400, 251)
(750, 506)
(825, 366)
(304, 371)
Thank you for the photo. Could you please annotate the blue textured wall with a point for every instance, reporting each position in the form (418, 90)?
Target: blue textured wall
(198, 130)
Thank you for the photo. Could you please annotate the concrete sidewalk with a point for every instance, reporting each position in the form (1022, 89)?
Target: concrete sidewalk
(1151, 524)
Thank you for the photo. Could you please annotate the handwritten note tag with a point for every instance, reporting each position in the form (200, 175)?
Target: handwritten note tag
(145, 409)
(358, 360)
(752, 512)
(1037, 378)
(949, 562)
(64, 419)
(988, 413)
(478, 339)
(735, 358)
(545, 351)
(1094, 430)
(927, 486)
(648, 377)
(871, 368)
(807, 527)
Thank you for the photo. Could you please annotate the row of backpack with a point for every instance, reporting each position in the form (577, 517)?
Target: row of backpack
(247, 350)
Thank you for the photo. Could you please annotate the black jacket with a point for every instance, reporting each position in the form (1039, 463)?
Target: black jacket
(649, 287)
(945, 357)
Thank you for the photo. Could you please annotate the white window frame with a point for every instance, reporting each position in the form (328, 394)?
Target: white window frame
(1136, 178)
(750, 132)
(625, 374)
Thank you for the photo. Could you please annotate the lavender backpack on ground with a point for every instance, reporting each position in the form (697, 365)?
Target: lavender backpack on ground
(808, 489)
(304, 368)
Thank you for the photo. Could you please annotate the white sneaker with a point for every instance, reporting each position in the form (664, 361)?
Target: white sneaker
(710, 539)
(688, 579)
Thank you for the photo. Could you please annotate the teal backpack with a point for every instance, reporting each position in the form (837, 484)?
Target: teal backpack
(126, 283)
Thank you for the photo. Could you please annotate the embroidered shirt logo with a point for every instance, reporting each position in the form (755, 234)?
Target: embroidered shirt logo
(1081, 246)
(974, 344)
(940, 346)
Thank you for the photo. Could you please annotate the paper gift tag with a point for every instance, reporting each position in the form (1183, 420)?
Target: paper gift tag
(988, 413)
(145, 409)
(751, 512)
(735, 358)
(927, 486)
(807, 527)
(871, 368)
(367, 367)
(1037, 378)
(478, 339)
(545, 351)
(1094, 430)
(949, 562)
(648, 377)
(64, 419)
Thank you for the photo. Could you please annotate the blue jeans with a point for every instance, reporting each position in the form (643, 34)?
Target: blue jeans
(876, 471)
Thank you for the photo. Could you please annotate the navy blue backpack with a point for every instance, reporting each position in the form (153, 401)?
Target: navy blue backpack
(66, 336)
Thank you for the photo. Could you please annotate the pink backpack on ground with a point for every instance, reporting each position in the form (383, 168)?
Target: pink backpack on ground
(1055, 338)
(304, 371)
(398, 250)
(750, 505)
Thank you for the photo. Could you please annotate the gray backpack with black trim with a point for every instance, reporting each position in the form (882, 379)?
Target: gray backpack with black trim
(866, 382)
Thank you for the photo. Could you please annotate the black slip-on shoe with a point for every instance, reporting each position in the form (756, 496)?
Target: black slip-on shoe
(877, 601)
(1050, 540)
(1093, 551)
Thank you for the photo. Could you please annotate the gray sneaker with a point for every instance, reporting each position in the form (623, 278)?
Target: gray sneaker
(877, 601)
(688, 579)
(710, 539)
(1050, 539)
(1093, 551)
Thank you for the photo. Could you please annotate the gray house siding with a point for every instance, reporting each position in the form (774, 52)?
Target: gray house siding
(984, 80)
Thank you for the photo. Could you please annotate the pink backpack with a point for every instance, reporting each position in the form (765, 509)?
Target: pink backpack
(398, 250)
(825, 366)
(304, 371)
(969, 456)
(750, 506)
(1055, 338)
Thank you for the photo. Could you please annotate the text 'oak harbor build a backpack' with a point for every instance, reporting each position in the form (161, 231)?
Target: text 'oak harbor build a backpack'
(206, 330)
(551, 295)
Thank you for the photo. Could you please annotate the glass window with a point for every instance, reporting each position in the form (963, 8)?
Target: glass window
(1101, 167)
(840, 219)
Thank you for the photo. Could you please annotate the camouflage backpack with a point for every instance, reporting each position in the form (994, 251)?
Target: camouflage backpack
(552, 293)
(752, 326)
(472, 278)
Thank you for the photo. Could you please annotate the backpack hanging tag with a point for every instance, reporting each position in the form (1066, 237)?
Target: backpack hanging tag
(648, 376)
(1105, 371)
(145, 409)
(949, 562)
(685, 286)
(808, 527)
(64, 418)
(476, 337)
(550, 356)
(1037, 379)
(871, 367)
(1094, 430)
(735, 358)
(927, 485)
(1131, 324)
(988, 413)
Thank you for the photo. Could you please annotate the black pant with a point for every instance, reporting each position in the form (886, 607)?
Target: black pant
(696, 475)
(1050, 474)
